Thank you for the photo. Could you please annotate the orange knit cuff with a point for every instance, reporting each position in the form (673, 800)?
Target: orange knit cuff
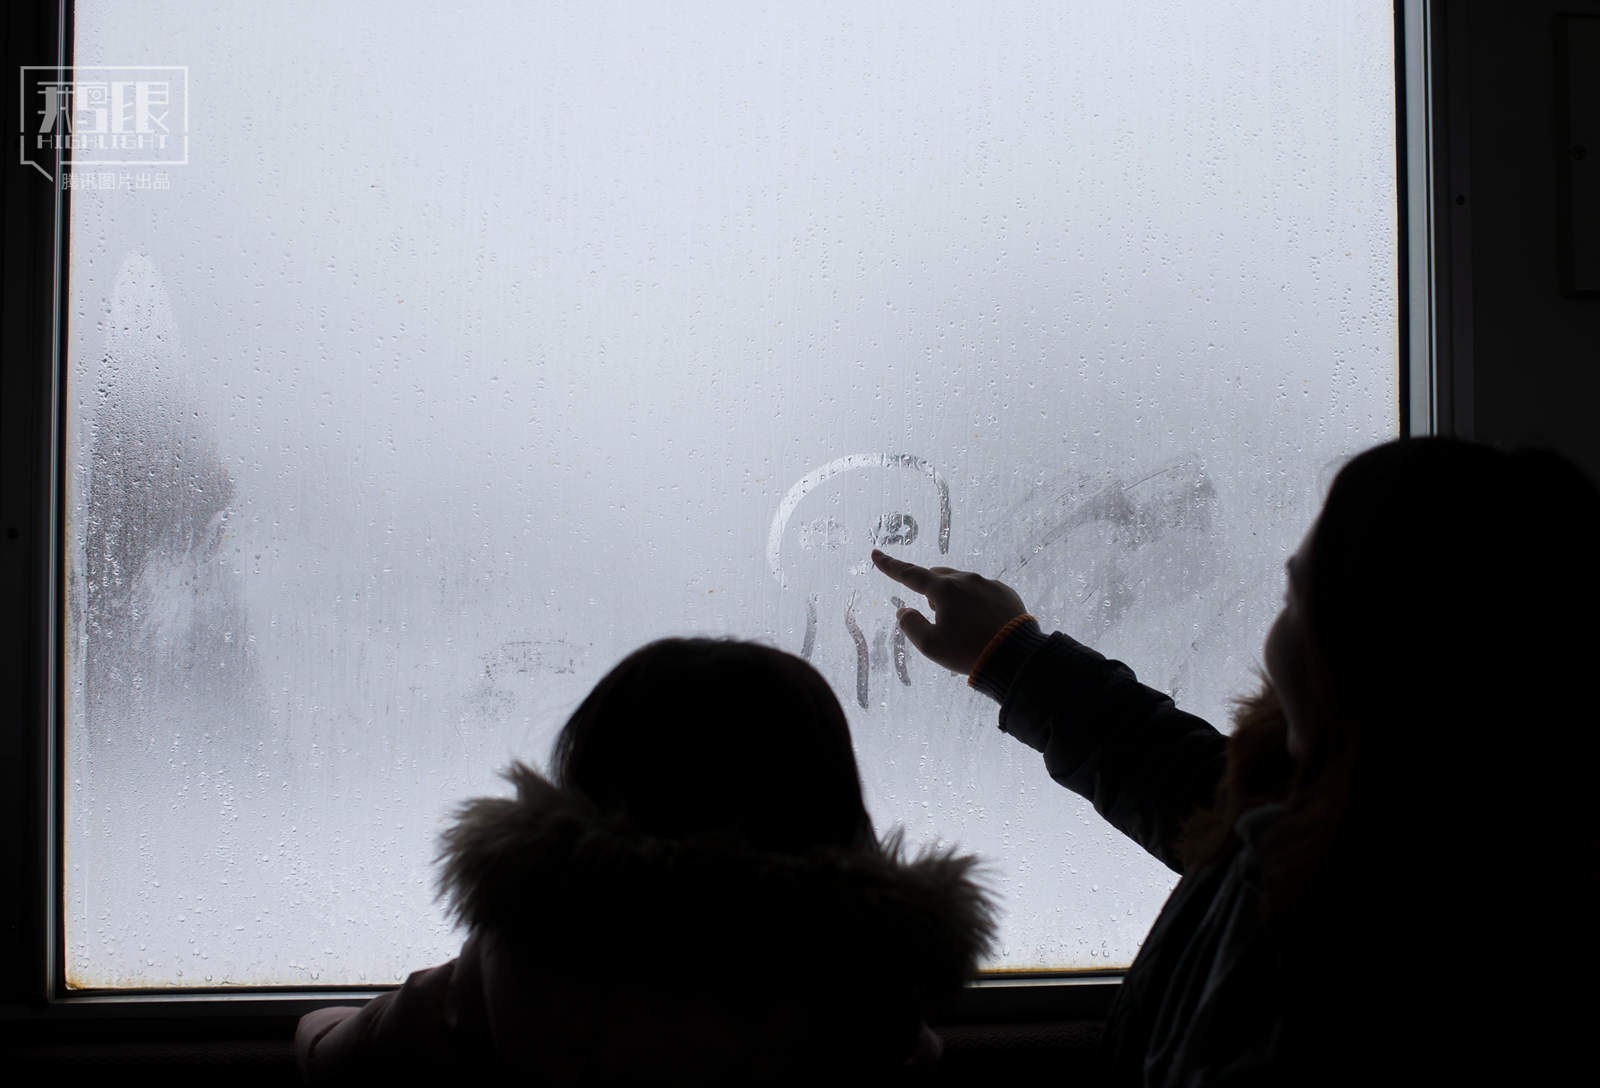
(999, 637)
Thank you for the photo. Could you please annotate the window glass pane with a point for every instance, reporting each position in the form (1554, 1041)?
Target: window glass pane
(476, 345)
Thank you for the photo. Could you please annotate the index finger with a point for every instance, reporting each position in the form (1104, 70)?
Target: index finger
(907, 574)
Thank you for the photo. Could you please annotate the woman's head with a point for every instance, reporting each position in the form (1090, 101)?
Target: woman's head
(1424, 706)
(1434, 594)
(707, 736)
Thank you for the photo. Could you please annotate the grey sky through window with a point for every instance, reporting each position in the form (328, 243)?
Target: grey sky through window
(466, 354)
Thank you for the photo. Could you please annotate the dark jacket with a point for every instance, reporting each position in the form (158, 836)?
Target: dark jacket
(1399, 964)
(600, 956)
(1217, 994)
(1147, 766)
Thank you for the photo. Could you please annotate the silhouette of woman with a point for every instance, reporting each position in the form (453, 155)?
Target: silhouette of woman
(1400, 806)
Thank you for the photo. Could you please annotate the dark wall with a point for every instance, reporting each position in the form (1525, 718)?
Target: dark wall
(1536, 351)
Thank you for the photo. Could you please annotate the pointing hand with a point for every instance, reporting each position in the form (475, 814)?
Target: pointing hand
(968, 608)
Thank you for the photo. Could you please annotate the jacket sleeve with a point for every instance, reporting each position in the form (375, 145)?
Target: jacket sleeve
(395, 1033)
(1145, 764)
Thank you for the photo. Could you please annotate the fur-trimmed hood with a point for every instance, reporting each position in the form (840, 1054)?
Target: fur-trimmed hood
(546, 870)
(601, 955)
(598, 955)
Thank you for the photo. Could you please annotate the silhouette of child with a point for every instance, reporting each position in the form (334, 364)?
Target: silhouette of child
(1401, 805)
(696, 895)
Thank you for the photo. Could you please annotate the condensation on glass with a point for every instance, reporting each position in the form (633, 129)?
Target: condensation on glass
(471, 350)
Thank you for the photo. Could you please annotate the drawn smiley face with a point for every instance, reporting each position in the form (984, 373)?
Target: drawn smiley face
(818, 550)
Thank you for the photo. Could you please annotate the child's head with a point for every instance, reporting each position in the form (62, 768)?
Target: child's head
(708, 736)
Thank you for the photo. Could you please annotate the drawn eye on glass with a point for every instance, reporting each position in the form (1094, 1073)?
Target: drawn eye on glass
(894, 529)
(824, 533)
(817, 550)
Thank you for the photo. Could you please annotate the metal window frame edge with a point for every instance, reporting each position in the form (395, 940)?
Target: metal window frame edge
(31, 310)
(1432, 50)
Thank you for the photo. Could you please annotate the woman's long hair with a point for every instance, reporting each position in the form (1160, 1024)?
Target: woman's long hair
(696, 736)
(1450, 603)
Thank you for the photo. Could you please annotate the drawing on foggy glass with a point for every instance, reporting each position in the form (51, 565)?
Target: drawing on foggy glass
(159, 608)
(833, 553)
(378, 460)
(1117, 530)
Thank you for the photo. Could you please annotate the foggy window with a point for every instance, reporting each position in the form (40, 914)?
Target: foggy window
(476, 345)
